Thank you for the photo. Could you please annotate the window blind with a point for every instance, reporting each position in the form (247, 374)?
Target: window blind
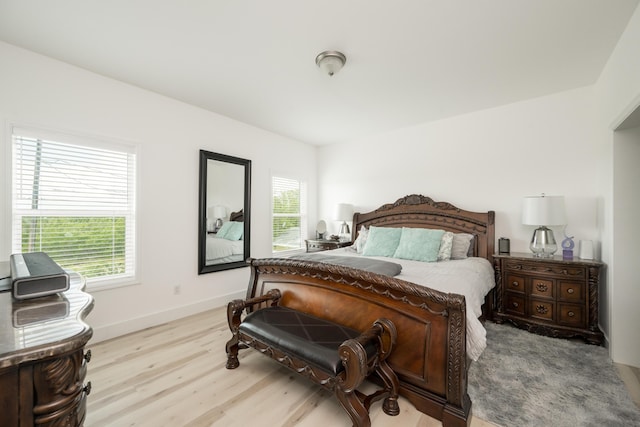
(288, 214)
(74, 199)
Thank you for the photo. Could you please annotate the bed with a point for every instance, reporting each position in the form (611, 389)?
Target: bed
(431, 357)
(227, 244)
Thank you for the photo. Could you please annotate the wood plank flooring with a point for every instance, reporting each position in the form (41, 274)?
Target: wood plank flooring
(174, 375)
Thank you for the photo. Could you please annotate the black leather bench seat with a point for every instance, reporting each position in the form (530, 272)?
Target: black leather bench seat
(299, 334)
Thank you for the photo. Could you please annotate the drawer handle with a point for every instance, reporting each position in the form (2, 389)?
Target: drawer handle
(515, 304)
(87, 356)
(542, 287)
(87, 388)
(570, 290)
(571, 314)
(542, 309)
(515, 284)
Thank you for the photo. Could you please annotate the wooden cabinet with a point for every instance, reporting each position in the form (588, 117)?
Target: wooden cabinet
(315, 245)
(43, 363)
(549, 296)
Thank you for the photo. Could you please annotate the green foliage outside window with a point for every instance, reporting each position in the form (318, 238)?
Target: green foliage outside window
(91, 246)
(286, 220)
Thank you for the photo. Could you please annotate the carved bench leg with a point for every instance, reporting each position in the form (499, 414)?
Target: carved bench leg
(232, 353)
(354, 407)
(390, 403)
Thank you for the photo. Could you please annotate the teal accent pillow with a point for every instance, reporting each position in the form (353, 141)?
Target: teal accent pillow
(236, 231)
(419, 244)
(222, 231)
(382, 241)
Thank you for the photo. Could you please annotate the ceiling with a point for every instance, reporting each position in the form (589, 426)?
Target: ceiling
(408, 61)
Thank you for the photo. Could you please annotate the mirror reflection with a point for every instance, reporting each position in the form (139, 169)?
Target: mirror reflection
(224, 212)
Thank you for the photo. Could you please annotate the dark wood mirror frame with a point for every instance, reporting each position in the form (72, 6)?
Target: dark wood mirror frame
(203, 267)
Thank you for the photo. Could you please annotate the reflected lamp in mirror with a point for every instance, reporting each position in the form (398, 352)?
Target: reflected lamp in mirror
(543, 211)
(219, 212)
(344, 213)
(321, 230)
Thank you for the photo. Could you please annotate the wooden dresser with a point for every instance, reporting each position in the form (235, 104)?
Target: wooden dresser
(549, 296)
(42, 358)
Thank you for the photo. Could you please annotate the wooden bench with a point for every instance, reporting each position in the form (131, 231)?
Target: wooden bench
(334, 356)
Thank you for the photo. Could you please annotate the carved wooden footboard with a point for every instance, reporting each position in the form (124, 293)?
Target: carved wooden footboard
(430, 354)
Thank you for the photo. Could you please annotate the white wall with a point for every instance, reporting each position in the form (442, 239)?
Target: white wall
(569, 136)
(488, 160)
(38, 91)
(625, 295)
(617, 96)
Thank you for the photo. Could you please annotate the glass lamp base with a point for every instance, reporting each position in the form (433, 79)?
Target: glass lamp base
(543, 244)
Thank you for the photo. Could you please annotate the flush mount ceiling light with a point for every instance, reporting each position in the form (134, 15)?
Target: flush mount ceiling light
(330, 61)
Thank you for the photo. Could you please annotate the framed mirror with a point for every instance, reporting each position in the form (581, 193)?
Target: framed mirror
(224, 213)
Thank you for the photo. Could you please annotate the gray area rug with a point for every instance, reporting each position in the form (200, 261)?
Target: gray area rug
(523, 379)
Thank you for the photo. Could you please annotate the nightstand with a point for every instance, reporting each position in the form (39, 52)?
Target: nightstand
(316, 245)
(549, 296)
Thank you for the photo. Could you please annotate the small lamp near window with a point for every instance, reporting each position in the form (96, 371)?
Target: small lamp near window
(219, 212)
(543, 211)
(344, 213)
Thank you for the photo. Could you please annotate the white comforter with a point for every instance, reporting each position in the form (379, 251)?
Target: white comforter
(218, 248)
(471, 277)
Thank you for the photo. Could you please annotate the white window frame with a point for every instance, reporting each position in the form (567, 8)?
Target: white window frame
(131, 275)
(303, 214)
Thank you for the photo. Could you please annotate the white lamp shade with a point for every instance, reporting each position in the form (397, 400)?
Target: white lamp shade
(218, 212)
(344, 212)
(543, 210)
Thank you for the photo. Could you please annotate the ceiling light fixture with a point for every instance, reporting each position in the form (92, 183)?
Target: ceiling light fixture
(331, 61)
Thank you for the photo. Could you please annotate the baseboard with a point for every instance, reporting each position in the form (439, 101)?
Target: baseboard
(114, 330)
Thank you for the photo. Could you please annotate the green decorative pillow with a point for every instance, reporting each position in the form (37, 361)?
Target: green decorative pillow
(382, 241)
(236, 231)
(419, 244)
(222, 231)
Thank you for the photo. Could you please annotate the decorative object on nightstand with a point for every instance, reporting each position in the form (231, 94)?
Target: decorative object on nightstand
(543, 211)
(344, 213)
(567, 247)
(548, 296)
(317, 245)
(504, 245)
(586, 249)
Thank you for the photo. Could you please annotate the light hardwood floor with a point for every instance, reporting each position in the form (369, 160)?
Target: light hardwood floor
(174, 375)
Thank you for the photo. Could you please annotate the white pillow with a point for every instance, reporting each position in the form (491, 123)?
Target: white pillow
(358, 245)
(446, 245)
(460, 246)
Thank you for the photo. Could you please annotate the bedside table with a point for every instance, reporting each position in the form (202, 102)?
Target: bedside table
(549, 296)
(316, 245)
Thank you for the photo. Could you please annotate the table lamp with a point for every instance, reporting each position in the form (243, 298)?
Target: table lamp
(543, 211)
(344, 213)
(219, 212)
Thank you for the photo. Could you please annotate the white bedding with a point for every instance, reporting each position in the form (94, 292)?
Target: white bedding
(223, 249)
(472, 277)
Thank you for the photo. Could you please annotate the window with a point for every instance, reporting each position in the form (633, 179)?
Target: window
(74, 198)
(289, 214)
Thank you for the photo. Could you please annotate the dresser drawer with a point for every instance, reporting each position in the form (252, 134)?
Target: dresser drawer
(515, 304)
(571, 291)
(515, 283)
(572, 315)
(540, 309)
(542, 287)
